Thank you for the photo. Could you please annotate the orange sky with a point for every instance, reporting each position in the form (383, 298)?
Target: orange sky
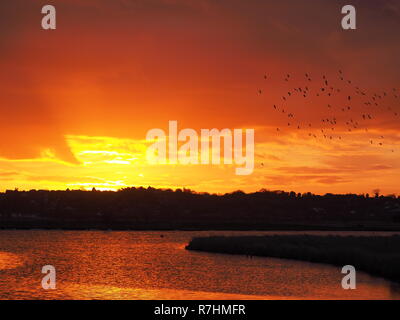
(77, 102)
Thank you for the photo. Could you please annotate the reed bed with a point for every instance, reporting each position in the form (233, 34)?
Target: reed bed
(378, 256)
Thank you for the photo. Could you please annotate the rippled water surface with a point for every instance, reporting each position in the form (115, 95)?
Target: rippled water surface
(155, 265)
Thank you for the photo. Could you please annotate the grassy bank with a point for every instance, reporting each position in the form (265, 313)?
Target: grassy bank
(378, 256)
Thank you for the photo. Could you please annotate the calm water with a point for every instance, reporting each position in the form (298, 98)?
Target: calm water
(144, 265)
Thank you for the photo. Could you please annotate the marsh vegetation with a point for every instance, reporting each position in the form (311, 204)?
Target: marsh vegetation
(379, 256)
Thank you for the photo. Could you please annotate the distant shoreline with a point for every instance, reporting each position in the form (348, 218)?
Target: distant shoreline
(159, 209)
(377, 255)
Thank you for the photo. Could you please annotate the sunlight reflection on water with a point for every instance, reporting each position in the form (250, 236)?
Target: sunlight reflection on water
(10, 260)
(146, 265)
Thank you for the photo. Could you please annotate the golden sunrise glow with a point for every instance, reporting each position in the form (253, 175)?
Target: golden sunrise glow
(108, 163)
(78, 101)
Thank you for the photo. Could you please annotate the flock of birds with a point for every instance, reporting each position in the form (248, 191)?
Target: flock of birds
(347, 107)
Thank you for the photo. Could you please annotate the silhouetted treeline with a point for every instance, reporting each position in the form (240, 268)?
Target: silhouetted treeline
(141, 208)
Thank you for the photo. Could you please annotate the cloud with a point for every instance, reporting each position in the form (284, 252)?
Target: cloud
(115, 69)
(300, 179)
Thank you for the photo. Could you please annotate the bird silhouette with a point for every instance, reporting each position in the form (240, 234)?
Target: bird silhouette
(360, 107)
